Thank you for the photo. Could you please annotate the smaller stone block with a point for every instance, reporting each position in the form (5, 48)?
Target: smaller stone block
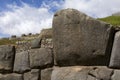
(22, 62)
(41, 58)
(12, 76)
(46, 74)
(32, 75)
(36, 43)
(7, 54)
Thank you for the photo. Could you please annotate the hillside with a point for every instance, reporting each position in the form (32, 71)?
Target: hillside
(114, 20)
(14, 40)
(116, 14)
(5, 41)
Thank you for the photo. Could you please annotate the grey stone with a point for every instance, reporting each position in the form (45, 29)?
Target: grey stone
(116, 75)
(22, 63)
(81, 73)
(32, 75)
(101, 73)
(41, 58)
(12, 76)
(115, 55)
(46, 74)
(80, 40)
(36, 43)
(7, 54)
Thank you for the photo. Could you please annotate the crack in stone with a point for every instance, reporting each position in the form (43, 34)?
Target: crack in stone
(112, 73)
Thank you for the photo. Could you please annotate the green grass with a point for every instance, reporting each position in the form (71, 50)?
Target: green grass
(114, 20)
(6, 41)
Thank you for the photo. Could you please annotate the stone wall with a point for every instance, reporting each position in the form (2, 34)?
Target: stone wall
(81, 48)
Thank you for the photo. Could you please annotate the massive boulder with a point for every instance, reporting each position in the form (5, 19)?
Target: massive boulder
(41, 58)
(22, 63)
(7, 54)
(82, 73)
(115, 55)
(80, 40)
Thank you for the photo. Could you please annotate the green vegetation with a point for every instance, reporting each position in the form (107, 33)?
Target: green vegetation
(114, 20)
(13, 41)
(6, 41)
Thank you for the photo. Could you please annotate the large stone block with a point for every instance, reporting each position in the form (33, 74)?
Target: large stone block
(115, 55)
(41, 58)
(46, 74)
(79, 39)
(22, 63)
(11, 76)
(82, 73)
(7, 54)
(32, 75)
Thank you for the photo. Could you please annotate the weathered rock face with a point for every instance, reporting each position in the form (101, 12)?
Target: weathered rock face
(115, 55)
(81, 73)
(22, 63)
(41, 58)
(32, 75)
(79, 39)
(7, 54)
(12, 76)
(46, 74)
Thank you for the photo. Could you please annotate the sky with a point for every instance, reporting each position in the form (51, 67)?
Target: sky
(31, 16)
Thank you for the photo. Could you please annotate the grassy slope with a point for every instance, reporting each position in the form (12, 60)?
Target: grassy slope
(6, 41)
(114, 20)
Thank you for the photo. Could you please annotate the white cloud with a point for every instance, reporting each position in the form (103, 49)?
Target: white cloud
(94, 8)
(25, 19)
(28, 19)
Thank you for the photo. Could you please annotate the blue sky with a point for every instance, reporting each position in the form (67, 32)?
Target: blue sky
(33, 3)
(31, 16)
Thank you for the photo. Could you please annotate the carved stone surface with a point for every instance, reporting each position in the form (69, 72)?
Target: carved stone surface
(79, 39)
